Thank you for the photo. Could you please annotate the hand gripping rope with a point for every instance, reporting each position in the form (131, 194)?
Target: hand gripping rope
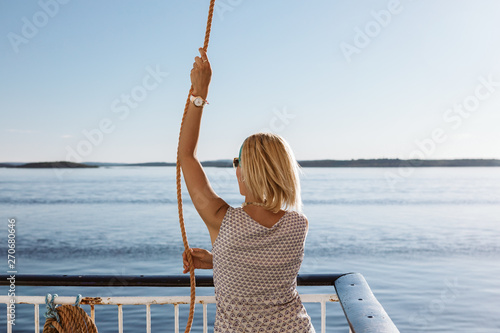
(178, 181)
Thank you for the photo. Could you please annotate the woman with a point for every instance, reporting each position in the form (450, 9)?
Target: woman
(257, 249)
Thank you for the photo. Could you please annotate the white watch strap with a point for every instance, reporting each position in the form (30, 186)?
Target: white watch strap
(193, 97)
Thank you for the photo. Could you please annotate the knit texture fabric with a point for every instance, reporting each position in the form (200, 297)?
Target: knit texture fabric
(255, 274)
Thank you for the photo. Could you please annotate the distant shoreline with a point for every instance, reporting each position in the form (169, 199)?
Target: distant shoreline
(45, 165)
(360, 163)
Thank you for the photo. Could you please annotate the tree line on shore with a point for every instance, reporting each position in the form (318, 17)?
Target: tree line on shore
(358, 163)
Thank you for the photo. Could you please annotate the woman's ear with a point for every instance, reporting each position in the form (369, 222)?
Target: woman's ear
(241, 181)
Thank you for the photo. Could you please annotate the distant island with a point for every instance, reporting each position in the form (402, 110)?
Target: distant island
(360, 163)
(396, 163)
(45, 165)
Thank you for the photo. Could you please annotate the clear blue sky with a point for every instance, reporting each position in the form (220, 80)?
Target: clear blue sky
(338, 79)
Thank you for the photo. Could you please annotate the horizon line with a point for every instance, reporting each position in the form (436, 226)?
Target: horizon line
(298, 160)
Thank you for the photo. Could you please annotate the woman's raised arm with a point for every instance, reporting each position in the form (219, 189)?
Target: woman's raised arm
(208, 204)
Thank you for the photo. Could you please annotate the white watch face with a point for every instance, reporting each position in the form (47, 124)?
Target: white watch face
(198, 101)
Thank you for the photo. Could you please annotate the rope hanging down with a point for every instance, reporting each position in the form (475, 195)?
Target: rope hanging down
(178, 181)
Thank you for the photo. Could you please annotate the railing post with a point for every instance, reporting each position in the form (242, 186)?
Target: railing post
(148, 318)
(9, 326)
(37, 318)
(323, 317)
(205, 319)
(176, 314)
(120, 318)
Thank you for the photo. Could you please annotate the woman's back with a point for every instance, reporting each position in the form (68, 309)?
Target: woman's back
(255, 264)
(255, 270)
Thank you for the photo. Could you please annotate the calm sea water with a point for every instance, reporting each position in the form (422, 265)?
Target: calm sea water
(428, 244)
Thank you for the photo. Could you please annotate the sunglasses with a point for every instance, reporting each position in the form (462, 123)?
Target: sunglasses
(236, 162)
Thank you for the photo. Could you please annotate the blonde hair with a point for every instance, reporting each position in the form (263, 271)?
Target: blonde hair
(271, 172)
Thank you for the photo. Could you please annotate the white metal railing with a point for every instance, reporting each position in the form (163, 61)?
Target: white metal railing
(148, 301)
(361, 308)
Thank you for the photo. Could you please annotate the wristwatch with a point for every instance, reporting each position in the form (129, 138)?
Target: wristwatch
(198, 101)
